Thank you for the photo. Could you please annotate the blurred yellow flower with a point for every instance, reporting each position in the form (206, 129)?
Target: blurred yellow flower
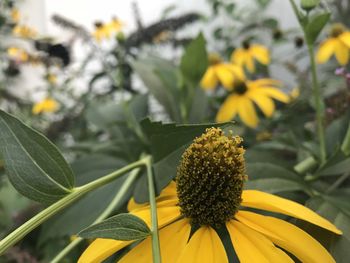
(246, 55)
(24, 31)
(219, 71)
(46, 105)
(105, 31)
(15, 15)
(338, 44)
(243, 97)
(295, 93)
(17, 54)
(115, 25)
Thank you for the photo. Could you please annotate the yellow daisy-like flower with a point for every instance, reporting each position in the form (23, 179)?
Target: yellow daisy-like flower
(24, 31)
(218, 71)
(208, 195)
(101, 32)
(337, 44)
(246, 56)
(243, 97)
(47, 105)
(15, 15)
(115, 25)
(17, 54)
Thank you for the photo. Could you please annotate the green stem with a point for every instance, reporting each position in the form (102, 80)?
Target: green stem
(76, 193)
(152, 200)
(318, 104)
(306, 165)
(315, 84)
(114, 203)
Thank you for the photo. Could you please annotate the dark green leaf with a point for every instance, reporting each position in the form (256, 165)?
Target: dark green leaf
(119, 227)
(274, 185)
(195, 61)
(337, 169)
(315, 26)
(34, 165)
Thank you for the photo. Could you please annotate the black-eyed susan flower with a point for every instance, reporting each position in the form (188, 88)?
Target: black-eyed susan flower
(247, 93)
(208, 195)
(46, 105)
(105, 31)
(115, 25)
(337, 44)
(221, 72)
(248, 53)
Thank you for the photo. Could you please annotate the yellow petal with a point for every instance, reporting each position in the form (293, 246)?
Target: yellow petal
(345, 38)
(247, 112)
(225, 76)
(204, 246)
(100, 249)
(326, 50)
(287, 236)
(237, 71)
(249, 62)
(238, 56)
(209, 80)
(172, 238)
(264, 103)
(273, 93)
(251, 246)
(37, 108)
(228, 110)
(260, 53)
(169, 192)
(273, 203)
(341, 53)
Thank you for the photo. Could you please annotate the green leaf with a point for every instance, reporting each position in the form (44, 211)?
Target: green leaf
(195, 60)
(153, 72)
(34, 165)
(120, 227)
(315, 26)
(336, 169)
(84, 212)
(273, 178)
(274, 185)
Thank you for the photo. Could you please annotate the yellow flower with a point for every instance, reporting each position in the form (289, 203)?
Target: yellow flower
(338, 44)
(17, 54)
(245, 94)
(101, 32)
(15, 15)
(208, 195)
(246, 55)
(218, 71)
(295, 93)
(47, 105)
(115, 25)
(24, 31)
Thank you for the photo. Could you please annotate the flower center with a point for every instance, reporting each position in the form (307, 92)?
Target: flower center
(240, 88)
(214, 59)
(246, 44)
(337, 29)
(210, 178)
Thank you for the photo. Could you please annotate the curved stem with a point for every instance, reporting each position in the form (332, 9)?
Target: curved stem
(76, 193)
(114, 203)
(152, 200)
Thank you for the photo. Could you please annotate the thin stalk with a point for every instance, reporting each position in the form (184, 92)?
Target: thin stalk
(107, 212)
(76, 193)
(152, 200)
(318, 104)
